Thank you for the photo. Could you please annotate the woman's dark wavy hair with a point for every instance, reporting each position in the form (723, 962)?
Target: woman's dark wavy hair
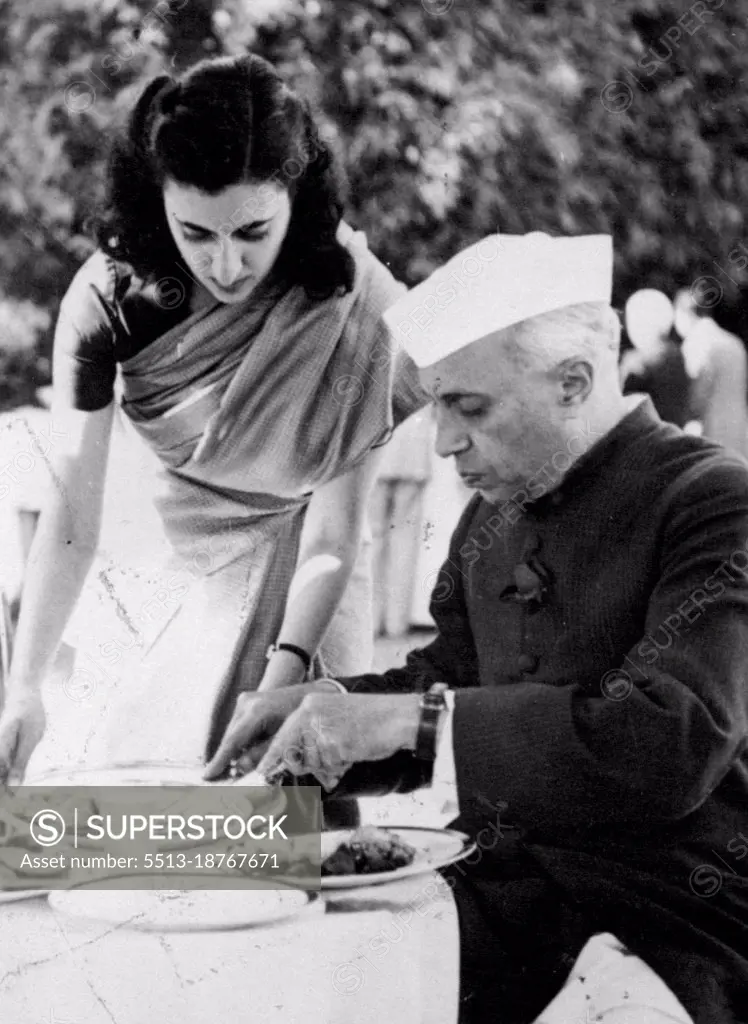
(224, 122)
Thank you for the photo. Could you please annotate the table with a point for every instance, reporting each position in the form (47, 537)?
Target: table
(383, 955)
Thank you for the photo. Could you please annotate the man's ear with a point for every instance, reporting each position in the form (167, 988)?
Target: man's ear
(576, 377)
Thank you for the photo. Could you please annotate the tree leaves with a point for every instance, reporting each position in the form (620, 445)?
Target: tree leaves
(568, 117)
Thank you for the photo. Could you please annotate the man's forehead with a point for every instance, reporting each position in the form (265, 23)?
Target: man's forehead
(478, 368)
(442, 378)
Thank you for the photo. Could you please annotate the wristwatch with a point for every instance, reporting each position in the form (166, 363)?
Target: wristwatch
(433, 706)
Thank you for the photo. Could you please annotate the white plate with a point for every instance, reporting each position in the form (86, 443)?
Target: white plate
(178, 910)
(142, 773)
(435, 848)
(155, 774)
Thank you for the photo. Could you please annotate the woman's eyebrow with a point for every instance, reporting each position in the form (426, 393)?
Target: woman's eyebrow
(251, 226)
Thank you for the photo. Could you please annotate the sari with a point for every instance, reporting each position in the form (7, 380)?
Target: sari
(243, 411)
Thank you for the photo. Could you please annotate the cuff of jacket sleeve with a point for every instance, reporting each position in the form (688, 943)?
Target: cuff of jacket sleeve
(445, 769)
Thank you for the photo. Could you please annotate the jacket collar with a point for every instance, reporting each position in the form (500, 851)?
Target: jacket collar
(602, 453)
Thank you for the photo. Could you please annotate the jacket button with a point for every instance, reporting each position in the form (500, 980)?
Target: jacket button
(528, 663)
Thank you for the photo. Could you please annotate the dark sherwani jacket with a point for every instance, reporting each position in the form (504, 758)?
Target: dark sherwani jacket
(601, 711)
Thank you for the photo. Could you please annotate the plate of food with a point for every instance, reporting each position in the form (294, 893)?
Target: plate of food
(372, 856)
(149, 779)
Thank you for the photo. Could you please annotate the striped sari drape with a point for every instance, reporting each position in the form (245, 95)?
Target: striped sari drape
(247, 409)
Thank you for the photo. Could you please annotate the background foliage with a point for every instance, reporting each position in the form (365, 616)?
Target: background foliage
(455, 118)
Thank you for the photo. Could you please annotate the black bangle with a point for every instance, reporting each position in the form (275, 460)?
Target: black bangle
(298, 651)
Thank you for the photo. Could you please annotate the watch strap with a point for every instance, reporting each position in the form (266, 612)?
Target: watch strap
(433, 706)
(293, 649)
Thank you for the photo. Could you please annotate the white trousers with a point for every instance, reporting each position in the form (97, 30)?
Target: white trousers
(608, 985)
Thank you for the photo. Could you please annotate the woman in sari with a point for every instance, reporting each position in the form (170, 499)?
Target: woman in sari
(232, 321)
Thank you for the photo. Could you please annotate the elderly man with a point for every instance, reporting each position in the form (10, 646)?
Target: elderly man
(593, 637)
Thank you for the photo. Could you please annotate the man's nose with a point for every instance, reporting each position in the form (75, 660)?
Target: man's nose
(450, 435)
(227, 263)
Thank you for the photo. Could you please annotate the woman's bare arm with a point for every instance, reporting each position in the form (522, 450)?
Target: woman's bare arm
(65, 541)
(329, 546)
(59, 560)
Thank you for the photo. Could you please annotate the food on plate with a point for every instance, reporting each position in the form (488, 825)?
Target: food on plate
(367, 851)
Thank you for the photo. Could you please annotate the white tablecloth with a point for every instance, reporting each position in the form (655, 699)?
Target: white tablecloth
(383, 955)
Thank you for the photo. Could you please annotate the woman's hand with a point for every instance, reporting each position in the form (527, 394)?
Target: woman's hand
(22, 726)
(328, 733)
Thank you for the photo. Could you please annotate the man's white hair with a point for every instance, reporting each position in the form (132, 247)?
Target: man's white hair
(587, 330)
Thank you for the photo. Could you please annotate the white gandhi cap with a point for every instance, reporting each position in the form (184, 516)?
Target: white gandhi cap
(499, 281)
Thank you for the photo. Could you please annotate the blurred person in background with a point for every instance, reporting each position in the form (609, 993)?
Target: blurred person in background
(717, 364)
(655, 365)
(235, 319)
(398, 524)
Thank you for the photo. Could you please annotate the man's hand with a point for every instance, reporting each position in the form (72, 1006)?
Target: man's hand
(329, 733)
(256, 719)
